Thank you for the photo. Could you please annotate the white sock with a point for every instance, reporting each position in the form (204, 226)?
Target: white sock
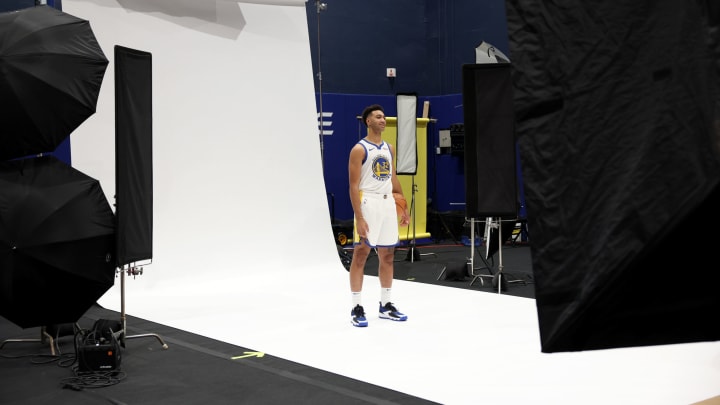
(356, 298)
(385, 294)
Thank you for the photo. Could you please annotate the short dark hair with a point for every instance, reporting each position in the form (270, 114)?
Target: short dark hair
(369, 109)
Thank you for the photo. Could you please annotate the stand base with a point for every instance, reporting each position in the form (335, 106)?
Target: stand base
(476, 277)
(413, 254)
(123, 338)
(500, 281)
(45, 337)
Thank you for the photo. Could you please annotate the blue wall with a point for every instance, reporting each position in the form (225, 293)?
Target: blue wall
(427, 41)
(12, 5)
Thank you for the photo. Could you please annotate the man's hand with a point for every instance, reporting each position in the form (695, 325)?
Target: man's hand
(362, 228)
(405, 218)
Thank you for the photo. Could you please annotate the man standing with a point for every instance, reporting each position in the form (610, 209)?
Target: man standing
(373, 181)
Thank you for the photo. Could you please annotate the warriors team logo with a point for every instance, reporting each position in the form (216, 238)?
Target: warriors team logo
(381, 168)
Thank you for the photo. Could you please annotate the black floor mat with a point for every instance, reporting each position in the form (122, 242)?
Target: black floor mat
(193, 370)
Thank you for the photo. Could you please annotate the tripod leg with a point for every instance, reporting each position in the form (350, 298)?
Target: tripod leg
(500, 264)
(501, 278)
(150, 335)
(45, 338)
(441, 273)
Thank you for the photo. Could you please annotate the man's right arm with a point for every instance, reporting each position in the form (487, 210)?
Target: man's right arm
(357, 154)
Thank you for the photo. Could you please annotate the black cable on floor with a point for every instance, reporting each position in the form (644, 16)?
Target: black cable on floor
(92, 379)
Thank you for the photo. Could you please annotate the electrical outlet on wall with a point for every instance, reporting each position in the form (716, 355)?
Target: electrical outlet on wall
(444, 138)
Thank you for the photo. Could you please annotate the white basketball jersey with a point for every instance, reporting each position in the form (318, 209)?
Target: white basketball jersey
(376, 172)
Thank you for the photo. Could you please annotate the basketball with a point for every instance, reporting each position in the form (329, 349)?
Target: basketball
(400, 203)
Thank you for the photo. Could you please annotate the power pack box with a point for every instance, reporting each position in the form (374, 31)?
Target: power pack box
(98, 356)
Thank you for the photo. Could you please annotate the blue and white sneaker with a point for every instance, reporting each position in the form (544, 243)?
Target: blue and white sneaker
(388, 311)
(357, 316)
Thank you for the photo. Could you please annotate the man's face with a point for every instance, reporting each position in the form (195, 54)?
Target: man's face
(376, 120)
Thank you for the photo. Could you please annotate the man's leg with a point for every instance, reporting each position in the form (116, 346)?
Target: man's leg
(357, 266)
(385, 273)
(386, 257)
(357, 273)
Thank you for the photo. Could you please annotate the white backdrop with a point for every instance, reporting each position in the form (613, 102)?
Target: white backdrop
(238, 183)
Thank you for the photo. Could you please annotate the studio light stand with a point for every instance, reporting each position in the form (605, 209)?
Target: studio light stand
(132, 270)
(499, 277)
(413, 254)
(489, 138)
(406, 159)
(471, 263)
(320, 6)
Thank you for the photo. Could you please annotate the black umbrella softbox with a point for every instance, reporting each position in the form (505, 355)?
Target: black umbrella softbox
(616, 107)
(57, 242)
(51, 69)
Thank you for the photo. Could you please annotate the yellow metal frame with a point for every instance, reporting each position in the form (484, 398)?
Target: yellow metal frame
(420, 178)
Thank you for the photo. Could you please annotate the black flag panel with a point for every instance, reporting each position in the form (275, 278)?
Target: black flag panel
(620, 149)
(490, 171)
(133, 155)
